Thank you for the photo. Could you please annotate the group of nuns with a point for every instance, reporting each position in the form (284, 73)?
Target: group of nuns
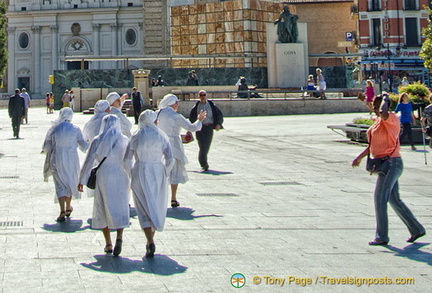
(146, 162)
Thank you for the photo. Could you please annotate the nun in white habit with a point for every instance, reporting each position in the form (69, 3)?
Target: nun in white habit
(116, 103)
(172, 123)
(111, 200)
(62, 161)
(151, 150)
(92, 127)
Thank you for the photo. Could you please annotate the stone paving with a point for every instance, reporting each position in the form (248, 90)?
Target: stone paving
(281, 205)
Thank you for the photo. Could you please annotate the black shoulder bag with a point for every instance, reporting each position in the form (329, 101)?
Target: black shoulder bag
(91, 183)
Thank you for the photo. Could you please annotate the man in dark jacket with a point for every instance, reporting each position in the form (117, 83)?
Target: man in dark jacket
(213, 120)
(16, 111)
(137, 103)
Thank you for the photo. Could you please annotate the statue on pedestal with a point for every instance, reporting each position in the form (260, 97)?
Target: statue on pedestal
(287, 26)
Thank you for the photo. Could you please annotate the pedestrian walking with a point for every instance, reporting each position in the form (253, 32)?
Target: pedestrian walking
(66, 99)
(27, 99)
(426, 121)
(111, 198)
(62, 161)
(137, 103)
(16, 109)
(171, 123)
(116, 103)
(153, 161)
(213, 121)
(92, 127)
(406, 119)
(51, 101)
(321, 83)
(370, 94)
(72, 100)
(383, 137)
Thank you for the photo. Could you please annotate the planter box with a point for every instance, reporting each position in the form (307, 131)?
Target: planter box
(357, 132)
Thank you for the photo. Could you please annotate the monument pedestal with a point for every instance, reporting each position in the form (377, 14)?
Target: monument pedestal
(141, 82)
(287, 63)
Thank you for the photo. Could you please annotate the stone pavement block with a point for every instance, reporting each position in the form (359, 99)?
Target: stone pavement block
(281, 198)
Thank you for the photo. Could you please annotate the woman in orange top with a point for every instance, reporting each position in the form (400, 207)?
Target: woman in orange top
(383, 139)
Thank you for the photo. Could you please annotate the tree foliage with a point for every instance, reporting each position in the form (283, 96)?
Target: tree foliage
(426, 49)
(3, 38)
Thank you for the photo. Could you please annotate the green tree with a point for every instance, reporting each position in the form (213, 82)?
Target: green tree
(426, 49)
(3, 38)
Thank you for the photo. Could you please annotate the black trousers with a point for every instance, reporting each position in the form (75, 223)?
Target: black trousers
(16, 123)
(137, 112)
(204, 138)
(407, 131)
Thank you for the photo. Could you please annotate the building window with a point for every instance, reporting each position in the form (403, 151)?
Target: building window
(23, 8)
(375, 5)
(130, 4)
(376, 32)
(411, 32)
(410, 4)
(131, 37)
(23, 40)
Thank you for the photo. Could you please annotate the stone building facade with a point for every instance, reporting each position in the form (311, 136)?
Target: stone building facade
(42, 32)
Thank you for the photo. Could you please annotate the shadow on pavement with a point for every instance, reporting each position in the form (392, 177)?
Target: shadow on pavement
(185, 214)
(413, 252)
(213, 172)
(159, 265)
(68, 226)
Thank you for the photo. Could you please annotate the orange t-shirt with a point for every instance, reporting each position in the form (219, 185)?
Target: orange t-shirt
(383, 137)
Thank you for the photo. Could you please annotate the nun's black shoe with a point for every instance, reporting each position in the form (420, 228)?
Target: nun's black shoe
(108, 249)
(415, 237)
(69, 212)
(61, 218)
(151, 248)
(175, 203)
(378, 242)
(118, 247)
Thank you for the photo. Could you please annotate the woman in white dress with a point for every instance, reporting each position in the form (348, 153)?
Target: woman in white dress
(171, 123)
(322, 86)
(92, 127)
(151, 150)
(111, 199)
(60, 146)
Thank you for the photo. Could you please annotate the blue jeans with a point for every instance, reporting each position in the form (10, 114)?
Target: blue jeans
(387, 190)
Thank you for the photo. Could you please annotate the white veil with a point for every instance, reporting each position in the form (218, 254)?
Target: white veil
(65, 114)
(92, 127)
(167, 101)
(110, 134)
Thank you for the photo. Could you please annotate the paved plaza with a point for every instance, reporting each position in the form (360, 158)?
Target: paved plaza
(281, 207)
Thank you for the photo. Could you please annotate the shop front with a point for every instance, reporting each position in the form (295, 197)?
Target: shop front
(386, 67)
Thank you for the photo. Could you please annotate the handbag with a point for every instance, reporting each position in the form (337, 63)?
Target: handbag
(91, 182)
(379, 165)
(187, 138)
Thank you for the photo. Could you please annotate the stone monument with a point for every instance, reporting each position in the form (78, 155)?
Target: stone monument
(141, 82)
(287, 52)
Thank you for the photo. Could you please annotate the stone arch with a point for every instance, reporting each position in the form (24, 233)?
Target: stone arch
(77, 45)
(23, 71)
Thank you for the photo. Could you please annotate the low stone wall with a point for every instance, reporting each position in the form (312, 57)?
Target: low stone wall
(190, 92)
(262, 107)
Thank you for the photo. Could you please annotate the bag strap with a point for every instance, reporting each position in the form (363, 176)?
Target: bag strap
(158, 114)
(100, 164)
